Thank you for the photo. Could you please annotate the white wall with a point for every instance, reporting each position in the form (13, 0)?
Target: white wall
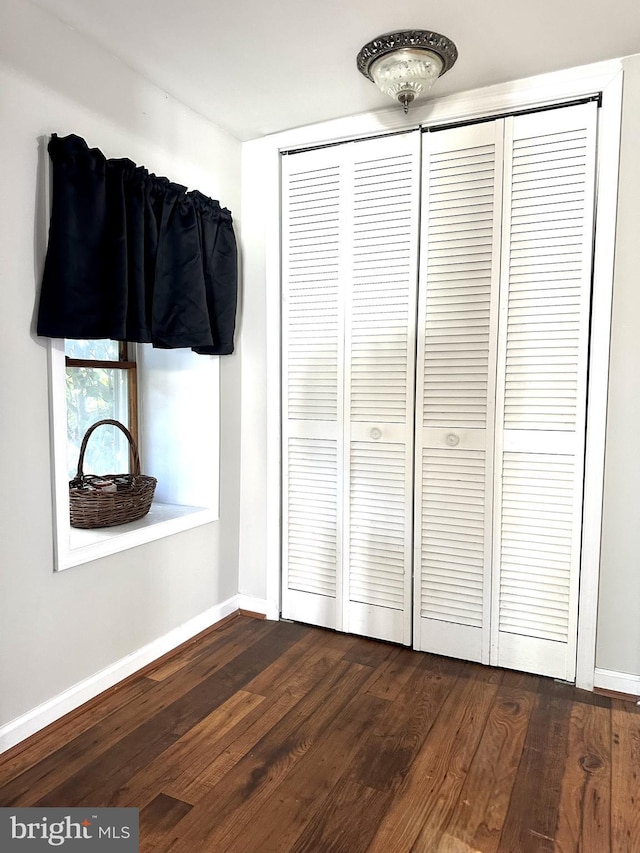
(257, 500)
(619, 606)
(58, 629)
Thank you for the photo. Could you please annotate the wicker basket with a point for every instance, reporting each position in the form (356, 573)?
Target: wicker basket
(111, 499)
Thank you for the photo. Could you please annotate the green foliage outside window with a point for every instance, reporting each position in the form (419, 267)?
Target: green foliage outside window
(92, 394)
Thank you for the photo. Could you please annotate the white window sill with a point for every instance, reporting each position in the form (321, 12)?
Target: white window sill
(162, 520)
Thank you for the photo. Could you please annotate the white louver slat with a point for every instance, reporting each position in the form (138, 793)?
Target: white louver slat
(313, 492)
(377, 527)
(379, 377)
(455, 388)
(537, 489)
(542, 370)
(313, 202)
(312, 291)
(453, 522)
(383, 281)
(546, 279)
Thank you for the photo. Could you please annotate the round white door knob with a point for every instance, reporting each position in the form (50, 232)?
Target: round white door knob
(376, 433)
(453, 439)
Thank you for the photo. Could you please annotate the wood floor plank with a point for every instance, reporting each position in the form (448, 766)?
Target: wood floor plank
(625, 777)
(397, 737)
(584, 821)
(532, 817)
(345, 826)
(302, 795)
(73, 724)
(193, 752)
(108, 772)
(187, 770)
(392, 675)
(311, 669)
(83, 749)
(477, 821)
(315, 645)
(306, 661)
(452, 770)
(383, 759)
(46, 742)
(423, 803)
(219, 652)
(196, 648)
(159, 817)
(282, 738)
(218, 818)
(71, 757)
(193, 784)
(369, 652)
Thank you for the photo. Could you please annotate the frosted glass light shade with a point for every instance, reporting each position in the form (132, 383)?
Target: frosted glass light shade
(406, 74)
(405, 64)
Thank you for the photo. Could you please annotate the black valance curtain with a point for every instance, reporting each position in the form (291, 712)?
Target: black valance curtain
(134, 257)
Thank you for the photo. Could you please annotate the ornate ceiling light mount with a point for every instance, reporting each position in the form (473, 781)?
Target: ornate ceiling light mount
(406, 64)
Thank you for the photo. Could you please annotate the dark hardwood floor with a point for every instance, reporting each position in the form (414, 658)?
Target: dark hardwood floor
(265, 737)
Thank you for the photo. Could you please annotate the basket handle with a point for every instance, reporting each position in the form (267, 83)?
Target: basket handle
(134, 450)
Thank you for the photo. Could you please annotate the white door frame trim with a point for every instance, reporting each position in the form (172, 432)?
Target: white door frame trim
(262, 157)
(601, 307)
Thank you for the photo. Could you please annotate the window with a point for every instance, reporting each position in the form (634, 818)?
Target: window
(175, 395)
(101, 382)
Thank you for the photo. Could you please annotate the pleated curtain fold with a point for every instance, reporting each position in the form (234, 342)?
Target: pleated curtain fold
(133, 256)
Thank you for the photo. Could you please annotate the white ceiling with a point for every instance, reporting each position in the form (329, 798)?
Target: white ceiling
(260, 66)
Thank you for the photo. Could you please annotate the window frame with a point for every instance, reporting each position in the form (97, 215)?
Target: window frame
(74, 547)
(126, 361)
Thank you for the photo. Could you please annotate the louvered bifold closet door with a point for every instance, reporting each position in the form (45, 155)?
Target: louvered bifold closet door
(541, 402)
(455, 390)
(379, 386)
(350, 246)
(313, 210)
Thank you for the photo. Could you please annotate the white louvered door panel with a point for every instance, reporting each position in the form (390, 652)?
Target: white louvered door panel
(313, 206)
(455, 389)
(379, 377)
(541, 402)
(350, 226)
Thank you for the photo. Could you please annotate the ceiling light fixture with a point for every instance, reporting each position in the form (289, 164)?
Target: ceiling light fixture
(406, 64)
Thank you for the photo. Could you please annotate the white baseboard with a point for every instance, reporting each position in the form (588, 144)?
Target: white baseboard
(258, 605)
(27, 724)
(619, 682)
